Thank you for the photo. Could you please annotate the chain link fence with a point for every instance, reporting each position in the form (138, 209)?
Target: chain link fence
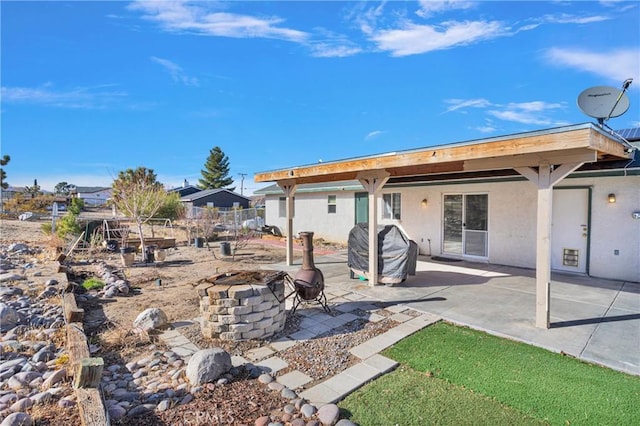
(211, 221)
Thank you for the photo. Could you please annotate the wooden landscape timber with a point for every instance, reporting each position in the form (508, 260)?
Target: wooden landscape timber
(86, 370)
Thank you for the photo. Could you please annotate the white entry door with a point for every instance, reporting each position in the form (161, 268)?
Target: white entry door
(570, 230)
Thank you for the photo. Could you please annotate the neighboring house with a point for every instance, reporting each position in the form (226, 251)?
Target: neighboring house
(484, 207)
(92, 195)
(12, 191)
(184, 191)
(220, 198)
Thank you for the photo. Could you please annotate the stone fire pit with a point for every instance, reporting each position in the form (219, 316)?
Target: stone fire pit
(242, 305)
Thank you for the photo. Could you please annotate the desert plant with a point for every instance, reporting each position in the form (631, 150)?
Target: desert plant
(92, 284)
(172, 208)
(138, 194)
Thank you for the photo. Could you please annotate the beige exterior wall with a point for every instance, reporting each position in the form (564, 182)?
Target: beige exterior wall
(512, 220)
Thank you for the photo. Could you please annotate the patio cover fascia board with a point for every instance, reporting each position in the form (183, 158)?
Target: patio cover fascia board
(543, 157)
(579, 143)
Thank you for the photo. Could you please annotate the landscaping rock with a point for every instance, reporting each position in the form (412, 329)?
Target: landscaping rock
(9, 317)
(17, 419)
(329, 414)
(150, 319)
(207, 365)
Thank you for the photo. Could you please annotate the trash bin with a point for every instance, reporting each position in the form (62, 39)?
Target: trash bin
(198, 242)
(112, 245)
(149, 254)
(225, 248)
(124, 250)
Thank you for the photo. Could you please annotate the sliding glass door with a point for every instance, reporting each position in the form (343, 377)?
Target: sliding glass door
(465, 230)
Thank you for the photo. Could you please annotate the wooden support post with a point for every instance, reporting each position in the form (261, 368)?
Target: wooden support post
(545, 178)
(543, 247)
(289, 188)
(373, 182)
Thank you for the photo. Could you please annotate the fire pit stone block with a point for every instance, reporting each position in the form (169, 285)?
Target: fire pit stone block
(241, 305)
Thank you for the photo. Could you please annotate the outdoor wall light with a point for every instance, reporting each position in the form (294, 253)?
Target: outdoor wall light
(611, 198)
(424, 202)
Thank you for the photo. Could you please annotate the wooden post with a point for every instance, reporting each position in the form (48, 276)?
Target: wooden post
(289, 188)
(545, 178)
(88, 373)
(373, 182)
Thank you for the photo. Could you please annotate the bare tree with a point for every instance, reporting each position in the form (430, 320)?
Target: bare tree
(138, 195)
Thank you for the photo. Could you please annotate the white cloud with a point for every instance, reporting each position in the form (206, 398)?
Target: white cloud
(566, 18)
(430, 7)
(202, 18)
(534, 112)
(457, 104)
(372, 135)
(175, 71)
(329, 50)
(414, 39)
(614, 65)
(77, 97)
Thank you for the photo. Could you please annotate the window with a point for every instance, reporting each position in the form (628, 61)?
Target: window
(282, 206)
(331, 204)
(391, 206)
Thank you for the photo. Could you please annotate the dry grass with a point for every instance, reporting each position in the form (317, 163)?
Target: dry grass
(127, 342)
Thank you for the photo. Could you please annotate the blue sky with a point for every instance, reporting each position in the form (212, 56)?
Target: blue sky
(92, 88)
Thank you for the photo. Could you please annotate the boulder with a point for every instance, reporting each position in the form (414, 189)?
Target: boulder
(9, 317)
(207, 365)
(150, 319)
(329, 414)
(17, 419)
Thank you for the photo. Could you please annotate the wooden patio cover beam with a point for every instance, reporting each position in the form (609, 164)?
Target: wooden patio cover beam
(525, 150)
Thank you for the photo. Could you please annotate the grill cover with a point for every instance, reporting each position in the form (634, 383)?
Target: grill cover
(397, 255)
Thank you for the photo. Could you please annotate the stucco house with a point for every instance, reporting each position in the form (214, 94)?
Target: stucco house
(92, 195)
(562, 199)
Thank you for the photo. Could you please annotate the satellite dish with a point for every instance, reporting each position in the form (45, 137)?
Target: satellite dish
(603, 102)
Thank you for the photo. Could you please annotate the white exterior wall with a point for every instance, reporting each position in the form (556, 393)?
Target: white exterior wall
(511, 222)
(95, 198)
(613, 227)
(311, 214)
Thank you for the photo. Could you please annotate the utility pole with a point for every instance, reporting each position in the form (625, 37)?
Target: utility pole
(242, 175)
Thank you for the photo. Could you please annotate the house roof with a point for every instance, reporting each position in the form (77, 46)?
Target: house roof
(90, 189)
(582, 143)
(208, 192)
(182, 188)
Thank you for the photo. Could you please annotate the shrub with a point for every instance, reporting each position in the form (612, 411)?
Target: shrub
(92, 283)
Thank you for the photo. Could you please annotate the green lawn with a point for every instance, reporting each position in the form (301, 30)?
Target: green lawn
(454, 375)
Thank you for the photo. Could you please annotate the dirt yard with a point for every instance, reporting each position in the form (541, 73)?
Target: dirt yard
(169, 285)
(183, 267)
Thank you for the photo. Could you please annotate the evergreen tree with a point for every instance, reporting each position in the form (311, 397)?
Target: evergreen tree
(216, 171)
(3, 175)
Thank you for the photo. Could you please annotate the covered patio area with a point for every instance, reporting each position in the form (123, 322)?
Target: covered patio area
(595, 320)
